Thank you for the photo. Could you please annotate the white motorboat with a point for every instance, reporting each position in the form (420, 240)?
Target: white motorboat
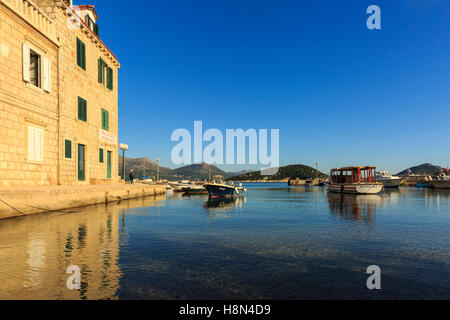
(181, 185)
(388, 180)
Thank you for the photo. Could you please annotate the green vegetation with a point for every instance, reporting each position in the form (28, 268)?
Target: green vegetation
(289, 172)
(426, 168)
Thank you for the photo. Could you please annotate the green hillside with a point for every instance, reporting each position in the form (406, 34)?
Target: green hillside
(292, 172)
(426, 168)
(199, 171)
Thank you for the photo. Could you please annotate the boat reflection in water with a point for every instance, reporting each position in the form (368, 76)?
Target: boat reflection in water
(218, 207)
(36, 251)
(354, 207)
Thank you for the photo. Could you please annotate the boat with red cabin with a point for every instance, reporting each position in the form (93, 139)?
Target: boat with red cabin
(359, 180)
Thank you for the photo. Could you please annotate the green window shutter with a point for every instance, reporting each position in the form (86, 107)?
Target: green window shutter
(78, 52)
(105, 120)
(82, 109)
(100, 155)
(110, 78)
(100, 70)
(81, 54)
(96, 29)
(68, 149)
(85, 110)
(84, 56)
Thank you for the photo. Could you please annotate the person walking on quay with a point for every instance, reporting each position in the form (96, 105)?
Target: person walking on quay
(131, 176)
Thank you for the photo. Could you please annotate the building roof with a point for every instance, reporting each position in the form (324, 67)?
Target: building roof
(91, 31)
(353, 167)
(87, 6)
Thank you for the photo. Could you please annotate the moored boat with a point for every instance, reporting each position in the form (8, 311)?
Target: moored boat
(357, 179)
(388, 180)
(442, 181)
(219, 189)
(195, 189)
(180, 186)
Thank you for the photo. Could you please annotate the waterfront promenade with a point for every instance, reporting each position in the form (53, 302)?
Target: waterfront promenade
(21, 201)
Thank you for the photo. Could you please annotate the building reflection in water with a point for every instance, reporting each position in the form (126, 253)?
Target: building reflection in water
(353, 206)
(35, 252)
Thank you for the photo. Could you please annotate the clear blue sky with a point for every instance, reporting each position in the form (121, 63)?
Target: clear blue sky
(339, 93)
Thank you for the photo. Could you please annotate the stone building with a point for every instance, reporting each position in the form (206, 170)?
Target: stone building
(58, 96)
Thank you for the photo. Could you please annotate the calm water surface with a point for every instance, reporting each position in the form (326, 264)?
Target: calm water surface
(278, 243)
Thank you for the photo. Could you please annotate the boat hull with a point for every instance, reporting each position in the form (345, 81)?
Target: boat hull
(391, 183)
(442, 184)
(360, 188)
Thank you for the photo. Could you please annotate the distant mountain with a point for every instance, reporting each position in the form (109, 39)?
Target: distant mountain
(426, 168)
(137, 164)
(290, 172)
(200, 171)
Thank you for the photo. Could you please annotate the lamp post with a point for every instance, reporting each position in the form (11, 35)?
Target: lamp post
(157, 170)
(123, 147)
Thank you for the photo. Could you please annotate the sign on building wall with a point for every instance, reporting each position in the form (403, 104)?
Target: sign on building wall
(108, 137)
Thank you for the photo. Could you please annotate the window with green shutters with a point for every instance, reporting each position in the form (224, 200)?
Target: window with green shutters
(81, 54)
(100, 155)
(82, 109)
(105, 120)
(110, 79)
(105, 74)
(67, 149)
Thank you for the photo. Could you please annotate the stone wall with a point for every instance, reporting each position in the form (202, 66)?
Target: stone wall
(23, 105)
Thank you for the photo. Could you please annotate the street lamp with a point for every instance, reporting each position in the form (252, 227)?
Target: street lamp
(157, 170)
(123, 147)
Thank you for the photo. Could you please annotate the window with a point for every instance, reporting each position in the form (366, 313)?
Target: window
(105, 120)
(36, 69)
(35, 63)
(92, 25)
(81, 54)
(105, 74)
(82, 109)
(67, 149)
(102, 69)
(35, 144)
(100, 155)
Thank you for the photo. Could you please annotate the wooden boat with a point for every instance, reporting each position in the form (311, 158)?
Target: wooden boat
(358, 180)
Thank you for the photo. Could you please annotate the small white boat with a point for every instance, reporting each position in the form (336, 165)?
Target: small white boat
(388, 180)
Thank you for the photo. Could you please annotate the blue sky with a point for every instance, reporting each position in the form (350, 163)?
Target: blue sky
(339, 93)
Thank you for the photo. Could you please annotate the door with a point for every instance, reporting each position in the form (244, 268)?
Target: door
(108, 161)
(81, 162)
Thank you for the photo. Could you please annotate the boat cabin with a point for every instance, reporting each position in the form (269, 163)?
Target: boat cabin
(354, 175)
